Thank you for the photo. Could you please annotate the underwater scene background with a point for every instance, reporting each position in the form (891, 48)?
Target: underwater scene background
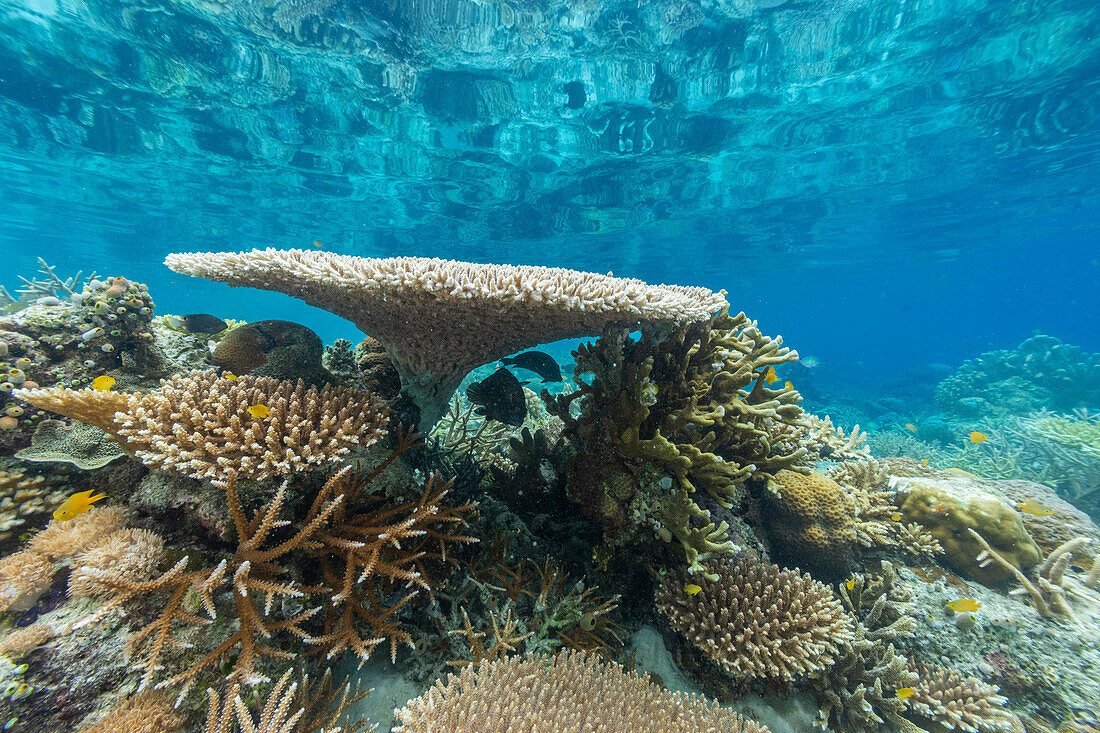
(585, 497)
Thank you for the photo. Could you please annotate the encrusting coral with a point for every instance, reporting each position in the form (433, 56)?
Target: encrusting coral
(570, 691)
(757, 620)
(945, 697)
(671, 425)
(438, 319)
(199, 423)
(85, 446)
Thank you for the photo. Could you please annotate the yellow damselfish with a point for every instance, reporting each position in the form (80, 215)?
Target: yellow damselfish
(895, 517)
(851, 584)
(691, 589)
(1034, 508)
(230, 376)
(78, 503)
(259, 411)
(964, 605)
(976, 437)
(103, 383)
(788, 385)
(906, 692)
(910, 427)
(769, 376)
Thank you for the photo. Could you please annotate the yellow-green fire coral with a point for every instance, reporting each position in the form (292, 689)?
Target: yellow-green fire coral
(670, 427)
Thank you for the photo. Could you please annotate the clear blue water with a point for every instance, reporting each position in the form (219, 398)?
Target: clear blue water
(886, 183)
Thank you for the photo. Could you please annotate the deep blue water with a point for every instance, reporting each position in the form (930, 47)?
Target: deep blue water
(886, 183)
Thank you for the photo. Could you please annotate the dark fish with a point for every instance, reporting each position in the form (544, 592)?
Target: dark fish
(538, 362)
(203, 323)
(500, 397)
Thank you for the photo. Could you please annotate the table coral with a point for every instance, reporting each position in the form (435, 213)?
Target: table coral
(950, 505)
(758, 620)
(568, 691)
(439, 319)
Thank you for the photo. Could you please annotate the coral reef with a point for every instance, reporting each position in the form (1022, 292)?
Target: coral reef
(277, 349)
(19, 641)
(84, 446)
(945, 697)
(438, 319)
(24, 577)
(130, 555)
(24, 495)
(1041, 373)
(291, 707)
(757, 620)
(670, 426)
(948, 506)
(145, 712)
(51, 287)
(199, 424)
(60, 540)
(569, 691)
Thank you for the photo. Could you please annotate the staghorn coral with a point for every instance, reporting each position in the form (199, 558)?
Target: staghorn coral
(438, 319)
(668, 425)
(198, 423)
(569, 691)
(367, 556)
(291, 707)
(945, 697)
(23, 495)
(24, 577)
(20, 641)
(758, 620)
(50, 286)
(252, 573)
(131, 555)
(85, 446)
(145, 712)
(1070, 444)
(60, 540)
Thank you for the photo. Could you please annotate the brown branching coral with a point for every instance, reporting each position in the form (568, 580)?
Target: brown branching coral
(569, 691)
(670, 422)
(505, 640)
(366, 554)
(128, 554)
(252, 572)
(145, 712)
(880, 602)
(291, 707)
(758, 620)
(438, 319)
(199, 424)
(945, 697)
(24, 577)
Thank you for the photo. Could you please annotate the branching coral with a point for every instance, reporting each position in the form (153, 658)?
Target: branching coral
(291, 707)
(22, 495)
(199, 424)
(569, 691)
(758, 620)
(668, 424)
(145, 712)
(880, 602)
(1070, 445)
(945, 697)
(438, 319)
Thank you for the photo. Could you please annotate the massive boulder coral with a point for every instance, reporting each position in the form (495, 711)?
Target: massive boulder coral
(758, 620)
(438, 319)
(199, 424)
(671, 425)
(570, 691)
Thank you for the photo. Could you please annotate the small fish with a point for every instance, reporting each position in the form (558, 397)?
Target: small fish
(940, 508)
(976, 437)
(895, 517)
(910, 427)
(230, 376)
(259, 411)
(78, 503)
(499, 397)
(924, 462)
(103, 383)
(691, 589)
(906, 692)
(810, 362)
(769, 376)
(964, 605)
(851, 584)
(202, 323)
(788, 385)
(1034, 508)
(538, 362)
(317, 243)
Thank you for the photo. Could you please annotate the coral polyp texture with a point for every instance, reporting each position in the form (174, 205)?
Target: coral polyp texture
(757, 620)
(438, 319)
(24, 577)
(946, 698)
(23, 495)
(146, 712)
(571, 691)
(202, 424)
